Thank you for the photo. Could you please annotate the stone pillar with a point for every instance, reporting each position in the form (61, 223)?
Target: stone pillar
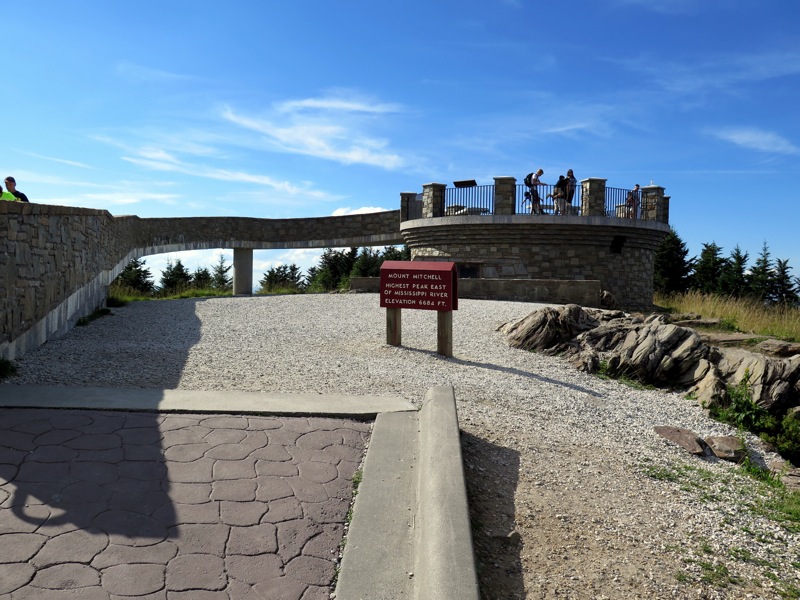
(653, 204)
(433, 200)
(406, 198)
(243, 271)
(505, 195)
(593, 198)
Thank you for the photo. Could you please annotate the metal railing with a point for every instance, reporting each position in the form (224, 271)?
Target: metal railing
(523, 206)
(475, 200)
(415, 208)
(615, 202)
(479, 200)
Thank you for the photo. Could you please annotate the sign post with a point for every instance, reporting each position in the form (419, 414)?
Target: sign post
(421, 285)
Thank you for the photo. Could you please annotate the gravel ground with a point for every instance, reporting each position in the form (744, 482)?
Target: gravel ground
(572, 494)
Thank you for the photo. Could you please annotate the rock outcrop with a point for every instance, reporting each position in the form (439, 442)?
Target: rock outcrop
(657, 352)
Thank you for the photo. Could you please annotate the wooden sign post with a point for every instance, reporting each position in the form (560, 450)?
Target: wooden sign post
(422, 285)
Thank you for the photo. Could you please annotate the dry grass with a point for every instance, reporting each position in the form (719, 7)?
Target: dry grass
(751, 316)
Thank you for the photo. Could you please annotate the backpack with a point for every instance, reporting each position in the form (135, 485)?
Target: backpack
(529, 179)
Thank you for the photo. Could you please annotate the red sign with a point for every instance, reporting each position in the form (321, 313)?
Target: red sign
(426, 285)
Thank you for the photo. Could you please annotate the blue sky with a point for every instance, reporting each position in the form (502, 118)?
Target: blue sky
(308, 108)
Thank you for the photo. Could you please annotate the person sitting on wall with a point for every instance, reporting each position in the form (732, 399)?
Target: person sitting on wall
(632, 202)
(7, 196)
(11, 184)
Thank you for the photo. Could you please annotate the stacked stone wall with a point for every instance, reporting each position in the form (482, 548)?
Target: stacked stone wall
(56, 262)
(618, 253)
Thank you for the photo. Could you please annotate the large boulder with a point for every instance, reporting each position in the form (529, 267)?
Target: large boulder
(658, 352)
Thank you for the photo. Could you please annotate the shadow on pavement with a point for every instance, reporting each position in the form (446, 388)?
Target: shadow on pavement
(491, 473)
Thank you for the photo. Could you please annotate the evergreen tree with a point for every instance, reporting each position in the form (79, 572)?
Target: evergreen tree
(708, 269)
(392, 253)
(785, 291)
(733, 279)
(760, 281)
(136, 277)
(334, 269)
(368, 264)
(175, 277)
(671, 268)
(282, 277)
(220, 280)
(201, 278)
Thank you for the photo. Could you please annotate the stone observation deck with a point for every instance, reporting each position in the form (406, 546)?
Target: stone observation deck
(56, 262)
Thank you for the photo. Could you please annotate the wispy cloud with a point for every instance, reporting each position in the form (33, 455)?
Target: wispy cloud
(721, 73)
(63, 161)
(162, 161)
(340, 212)
(333, 103)
(756, 139)
(141, 74)
(331, 127)
(108, 199)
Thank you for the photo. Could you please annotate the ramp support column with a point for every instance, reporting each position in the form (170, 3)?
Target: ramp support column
(243, 271)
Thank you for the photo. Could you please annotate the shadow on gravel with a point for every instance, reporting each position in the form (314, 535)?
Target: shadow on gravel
(491, 473)
(507, 370)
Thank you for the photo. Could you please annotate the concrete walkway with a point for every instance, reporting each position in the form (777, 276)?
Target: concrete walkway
(98, 503)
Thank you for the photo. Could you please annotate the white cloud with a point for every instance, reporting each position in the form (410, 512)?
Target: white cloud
(340, 212)
(63, 161)
(724, 72)
(330, 127)
(757, 139)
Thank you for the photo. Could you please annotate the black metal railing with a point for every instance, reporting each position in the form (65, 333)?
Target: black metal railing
(475, 200)
(415, 208)
(615, 202)
(523, 206)
(479, 200)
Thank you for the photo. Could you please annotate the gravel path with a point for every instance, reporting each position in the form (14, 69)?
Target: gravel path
(572, 493)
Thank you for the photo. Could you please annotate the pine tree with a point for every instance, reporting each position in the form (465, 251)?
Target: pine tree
(368, 264)
(708, 269)
(282, 277)
(136, 277)
(201, 278)
(334, 269)
(733, 279)
(785, 291)
(175, 277)
(220, 280)
(760, 282)
(671, 268)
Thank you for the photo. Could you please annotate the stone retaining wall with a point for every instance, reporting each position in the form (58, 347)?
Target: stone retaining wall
(617, 252)
(56, 262)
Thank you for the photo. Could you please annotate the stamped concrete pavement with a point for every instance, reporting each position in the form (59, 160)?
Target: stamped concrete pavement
(113, 504)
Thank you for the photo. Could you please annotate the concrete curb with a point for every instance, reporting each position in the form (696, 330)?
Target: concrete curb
(445, 561)
(199, 401)
(410, 535)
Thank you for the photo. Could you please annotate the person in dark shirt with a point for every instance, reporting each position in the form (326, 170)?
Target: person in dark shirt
(11, 185)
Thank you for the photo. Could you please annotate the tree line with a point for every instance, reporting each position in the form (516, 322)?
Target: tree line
(333, 271)
(767, 280)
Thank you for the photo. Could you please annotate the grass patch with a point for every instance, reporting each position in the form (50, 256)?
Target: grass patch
(604, 371)
(7, 368)
(100, 312)
(765, 496)
(740, 314)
